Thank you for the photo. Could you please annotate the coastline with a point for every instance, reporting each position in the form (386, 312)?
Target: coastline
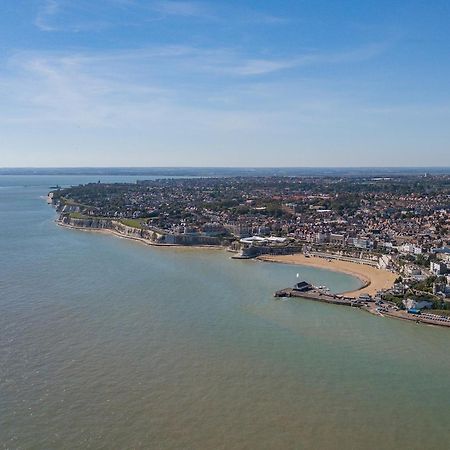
(371, 278)
(136, 239)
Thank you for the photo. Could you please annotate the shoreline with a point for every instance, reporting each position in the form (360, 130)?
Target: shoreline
(372, 279)
(140, 240)
(364, 273)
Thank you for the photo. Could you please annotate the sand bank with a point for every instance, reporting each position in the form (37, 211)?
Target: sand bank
(372, 278)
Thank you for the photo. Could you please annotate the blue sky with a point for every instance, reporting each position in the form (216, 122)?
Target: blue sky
(224, 83)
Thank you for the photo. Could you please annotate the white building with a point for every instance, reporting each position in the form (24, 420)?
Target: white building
(417, 304)
(410, 249)
(385, 262)
(438, 268)
(412, 270)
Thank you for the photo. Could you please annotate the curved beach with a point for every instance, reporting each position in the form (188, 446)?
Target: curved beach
(372, 278)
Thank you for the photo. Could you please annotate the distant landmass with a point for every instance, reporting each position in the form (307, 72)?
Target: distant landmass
(226, 171)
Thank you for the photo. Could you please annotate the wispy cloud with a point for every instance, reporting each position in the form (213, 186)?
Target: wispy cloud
(137, 87)
(229, 64)
(183, 8)
(235, 72)
(212, 63)
(215, 11)
(47, 10)
(86, 15)
(74, 17)
(249, 67)
(130, 95)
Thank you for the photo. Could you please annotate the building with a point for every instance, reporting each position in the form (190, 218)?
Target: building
(385, 262)
(410, 249)
(438, 268)
(411, 304)
(337, 239)
(361, 242)
(320, 238)
(302, 286)
(411, 270)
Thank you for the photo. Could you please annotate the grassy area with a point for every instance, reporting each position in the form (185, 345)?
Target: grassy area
(70, 202)
(77, 215)
(398, 300)
(135, 223)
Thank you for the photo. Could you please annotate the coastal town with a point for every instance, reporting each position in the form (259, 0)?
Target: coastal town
(395, 227)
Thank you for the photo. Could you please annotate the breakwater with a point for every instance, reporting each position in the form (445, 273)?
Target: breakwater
(318, 295)
(378, 308)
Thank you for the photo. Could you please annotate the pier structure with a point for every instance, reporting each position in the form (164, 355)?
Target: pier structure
(308, 291)
(375, 305)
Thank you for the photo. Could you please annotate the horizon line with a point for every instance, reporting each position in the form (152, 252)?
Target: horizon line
(220, 167)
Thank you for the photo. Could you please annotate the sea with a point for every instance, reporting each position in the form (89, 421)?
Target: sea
(106, 343)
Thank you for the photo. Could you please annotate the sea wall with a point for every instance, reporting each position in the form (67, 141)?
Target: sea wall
(153, 236)
(110, 224)
(84, 222)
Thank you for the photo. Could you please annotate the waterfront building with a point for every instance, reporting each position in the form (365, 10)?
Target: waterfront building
(302, 286)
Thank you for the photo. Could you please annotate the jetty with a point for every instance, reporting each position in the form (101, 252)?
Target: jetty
(374, 306)
(308, 291)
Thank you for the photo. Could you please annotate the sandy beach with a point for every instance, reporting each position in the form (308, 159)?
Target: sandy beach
(372, 278)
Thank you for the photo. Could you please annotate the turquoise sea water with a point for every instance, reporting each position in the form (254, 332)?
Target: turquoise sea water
(107, 343)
